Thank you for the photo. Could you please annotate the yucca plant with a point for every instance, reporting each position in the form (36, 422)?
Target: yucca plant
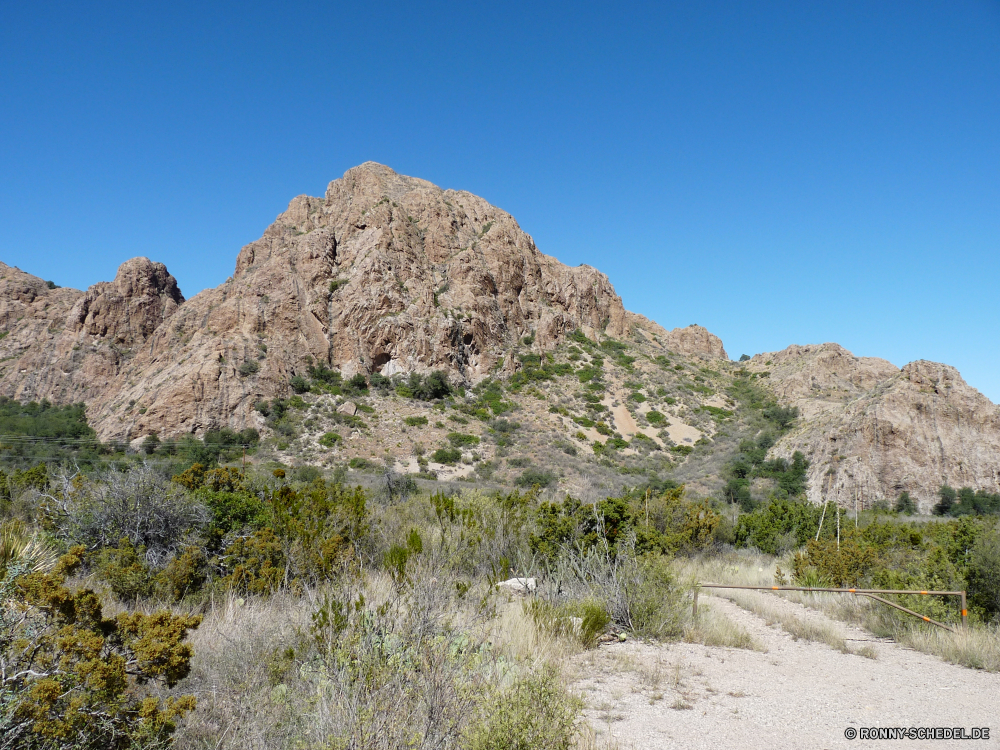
(22, 548)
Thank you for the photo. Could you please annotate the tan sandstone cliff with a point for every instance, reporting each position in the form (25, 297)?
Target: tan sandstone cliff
(385, 273)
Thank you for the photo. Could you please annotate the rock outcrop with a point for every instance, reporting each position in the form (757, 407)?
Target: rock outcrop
(385, 273)
(871, 431)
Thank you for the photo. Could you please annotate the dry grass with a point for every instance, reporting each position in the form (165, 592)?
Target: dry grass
(415, 665)
(977, 647)
(712, 628)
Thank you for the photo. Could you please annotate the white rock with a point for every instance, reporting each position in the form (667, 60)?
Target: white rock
(519, 585)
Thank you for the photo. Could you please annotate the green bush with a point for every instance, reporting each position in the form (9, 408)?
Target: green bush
(657, 602)
(248, 368)
(778, 527)
(655, 418)
(185, 574)
(125, 571)
(905, 504)
(535, 713)
(536, 478)
(299, 384)
(415, 421)
(460, 439)
(330, 439)
(446, 456)
(984, 574)
(966, 502)
(75, 679)
(583, 620)
(425, 387)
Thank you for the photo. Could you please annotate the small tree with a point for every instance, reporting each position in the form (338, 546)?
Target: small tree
(947, 500)
(151, 443)
(906, 504)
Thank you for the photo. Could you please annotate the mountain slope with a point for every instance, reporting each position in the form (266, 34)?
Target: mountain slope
(386, 274)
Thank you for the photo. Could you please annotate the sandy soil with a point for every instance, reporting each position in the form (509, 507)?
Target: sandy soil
(797, 694)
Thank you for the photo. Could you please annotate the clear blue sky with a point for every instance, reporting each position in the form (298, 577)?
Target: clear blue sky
(779, 172)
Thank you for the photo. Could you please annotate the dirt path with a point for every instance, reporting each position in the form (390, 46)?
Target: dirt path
(797, 694)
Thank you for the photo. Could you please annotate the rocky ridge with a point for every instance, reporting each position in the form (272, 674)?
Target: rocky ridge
(391, 274)
(385, 273)
(871, 430)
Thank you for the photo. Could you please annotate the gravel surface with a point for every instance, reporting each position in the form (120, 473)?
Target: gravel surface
(797, 694)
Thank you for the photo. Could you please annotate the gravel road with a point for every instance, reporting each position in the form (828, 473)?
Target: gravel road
(797, 694)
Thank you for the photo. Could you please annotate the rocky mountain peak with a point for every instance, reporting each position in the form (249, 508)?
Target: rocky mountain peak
(384, 273)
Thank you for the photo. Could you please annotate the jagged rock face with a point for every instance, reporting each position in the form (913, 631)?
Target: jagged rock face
(423, 278)
(127, 310)
(385, 273)
(913, 429)
(819, 378)
(693, 341)
(71, 346)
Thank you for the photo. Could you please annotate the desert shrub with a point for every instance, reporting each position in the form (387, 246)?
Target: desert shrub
(357, 385)
(253, 563)
(185, 574)
(323, 374)
(417, 421)
(299, 384)
(892, 555)
(404, 668)
(393, 487)
(306, 474)
(350, 420)
(330, 439)
(380, 382)
(136, 504)
(460, 439)
(966, 501)
(124, 570)
(425, 387)
(638, 590)
(74, 678)
(361, 464)
(582, 620)
(24, 551)
(446, 456)
(232, 512)
(534, 712)
(535, 478)
(984, 574)
(905, 504)
(150, 444)
(655, 418)
(504, 426)
(318, 526)
(783, 416)
(248, 368)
